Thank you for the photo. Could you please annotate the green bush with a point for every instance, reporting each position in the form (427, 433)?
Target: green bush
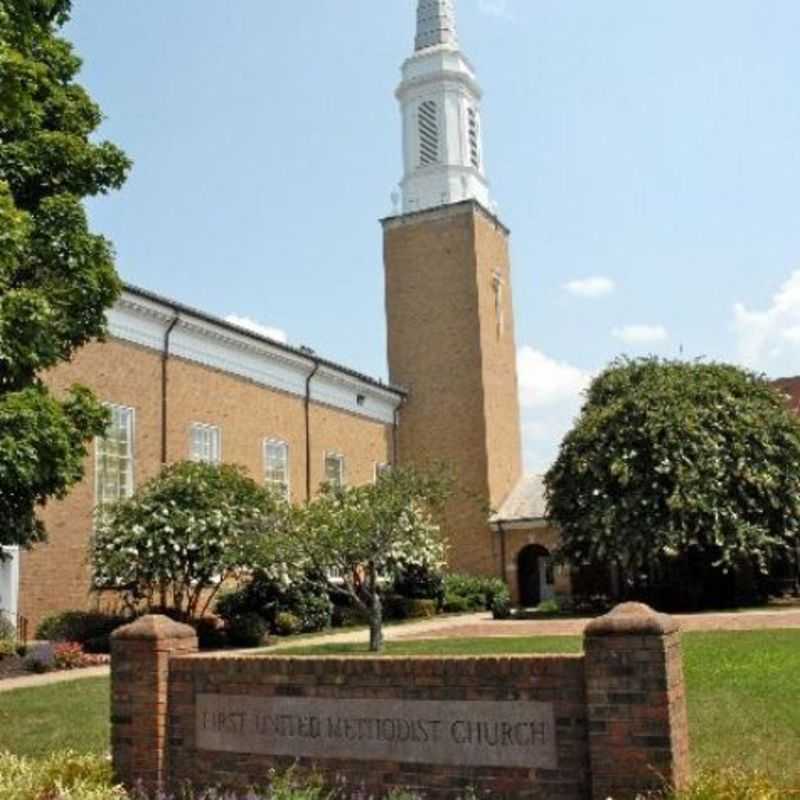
(456, 604)
(83, 627)
(268, 598)
(345, 616)
(247, 630)
(548, 607)
(61, 775)
(7, 648)
(501, 605)
(421, 609)
(287, 624)
(419, 582)
(730, 784)
(210, 634)
(479, 592)
(394, 607)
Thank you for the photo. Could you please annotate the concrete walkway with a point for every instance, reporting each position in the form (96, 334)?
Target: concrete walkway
(34, 681)
(465, 626)
(482, 625)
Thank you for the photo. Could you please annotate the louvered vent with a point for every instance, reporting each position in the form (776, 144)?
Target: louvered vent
(474, 139)
(428, 134)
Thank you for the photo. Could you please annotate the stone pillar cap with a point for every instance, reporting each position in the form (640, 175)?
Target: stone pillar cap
(632, 619)
(153, 627)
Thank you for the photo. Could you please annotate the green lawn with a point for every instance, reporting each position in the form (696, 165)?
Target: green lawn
(743, 691)
(72, 715)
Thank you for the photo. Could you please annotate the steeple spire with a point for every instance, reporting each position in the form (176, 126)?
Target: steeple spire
(440, 106)
(436, 24)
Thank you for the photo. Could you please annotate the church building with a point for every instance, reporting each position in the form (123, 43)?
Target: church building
(184, 384)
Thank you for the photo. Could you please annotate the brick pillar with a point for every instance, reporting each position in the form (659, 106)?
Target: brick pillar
(638, 731)
(140, 655)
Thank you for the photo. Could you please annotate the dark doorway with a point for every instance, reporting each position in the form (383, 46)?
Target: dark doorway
(535, 576)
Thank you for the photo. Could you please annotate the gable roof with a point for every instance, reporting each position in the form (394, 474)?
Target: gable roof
(790, 387)
(526, 503)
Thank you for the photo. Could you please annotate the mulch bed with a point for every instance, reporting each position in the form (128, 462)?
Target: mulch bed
(12, 667)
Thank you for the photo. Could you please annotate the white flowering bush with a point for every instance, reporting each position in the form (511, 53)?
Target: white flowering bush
(360, 536)
(183, 535)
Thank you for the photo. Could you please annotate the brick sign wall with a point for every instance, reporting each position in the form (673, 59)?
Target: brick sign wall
(606, 723)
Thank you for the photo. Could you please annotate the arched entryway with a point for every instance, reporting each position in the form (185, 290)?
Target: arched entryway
(535, 574)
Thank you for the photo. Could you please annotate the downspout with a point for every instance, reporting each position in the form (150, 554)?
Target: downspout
(308, 428)
(503, 570)
(396, 434)
(164, 378)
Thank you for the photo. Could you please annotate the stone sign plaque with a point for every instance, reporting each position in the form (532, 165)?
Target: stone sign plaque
(448, 732)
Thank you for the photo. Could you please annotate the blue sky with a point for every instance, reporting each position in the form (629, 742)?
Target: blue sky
(645, 154)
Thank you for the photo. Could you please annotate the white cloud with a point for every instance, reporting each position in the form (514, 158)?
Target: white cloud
(495, 8)
(772, 333)
(544, 381)
(551, 396)
(251, 325)
(641, 334)
(596, 286)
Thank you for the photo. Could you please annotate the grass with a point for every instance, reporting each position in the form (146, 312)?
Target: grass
(743, 690)
(73, 715)
(743, 695)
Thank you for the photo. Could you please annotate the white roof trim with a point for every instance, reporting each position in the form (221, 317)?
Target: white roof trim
(144, 321)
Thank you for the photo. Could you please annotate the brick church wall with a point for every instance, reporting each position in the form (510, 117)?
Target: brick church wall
(55, 576)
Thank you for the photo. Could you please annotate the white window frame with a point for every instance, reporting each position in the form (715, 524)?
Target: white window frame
(287, 484)
(9, 571)
(216, 432)
(131, 476)
(340, 457)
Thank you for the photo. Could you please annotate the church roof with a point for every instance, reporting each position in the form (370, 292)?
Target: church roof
(302, 352)
(791, 387)
(526, 503)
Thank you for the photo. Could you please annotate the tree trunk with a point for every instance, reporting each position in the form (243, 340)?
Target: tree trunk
(375, 614)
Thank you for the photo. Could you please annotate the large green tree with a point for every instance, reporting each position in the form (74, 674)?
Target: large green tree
(56, 277)
(672, 460)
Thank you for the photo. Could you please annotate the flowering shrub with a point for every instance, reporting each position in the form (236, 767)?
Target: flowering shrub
(183, 535)
(70, 655)
(359, 537)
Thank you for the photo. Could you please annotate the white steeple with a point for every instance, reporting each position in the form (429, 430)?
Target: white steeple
(440, 105)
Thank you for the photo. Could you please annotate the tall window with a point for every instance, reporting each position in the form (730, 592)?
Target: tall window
(428, 133)
(473, 127)
(276, 466)
(334, 469)
(114, 458)
(205, 443)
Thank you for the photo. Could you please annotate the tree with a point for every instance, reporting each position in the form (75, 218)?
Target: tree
(183, 535)
(56, 277)
(358, 536)
(672, 460)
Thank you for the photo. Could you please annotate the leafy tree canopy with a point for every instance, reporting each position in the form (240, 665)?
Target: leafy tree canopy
(670, 458)
(359, 536)
(183, 535)
(56, 277)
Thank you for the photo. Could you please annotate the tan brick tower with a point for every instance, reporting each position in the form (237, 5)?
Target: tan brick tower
(448, 295)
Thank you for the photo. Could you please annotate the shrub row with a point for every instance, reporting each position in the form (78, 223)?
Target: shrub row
(88, 777)
(90, 629)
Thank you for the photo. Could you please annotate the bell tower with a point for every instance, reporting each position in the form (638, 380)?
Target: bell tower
(440, 106)
(448, 294)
